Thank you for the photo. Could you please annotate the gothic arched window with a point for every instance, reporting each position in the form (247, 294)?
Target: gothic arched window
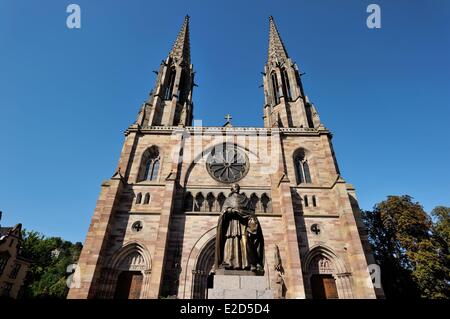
(276, 92)
(182, 87)
(150, 165)
(220, 200)
(309, 115)
(146, 198)
(302, 168)
(254, 200)
(210, 200)
(286, 85)
(306, 171)
(151, 169)
(188, 202)
(138, 198)
(199, 203)
(265, 203)
(170, 84)
(314, 201)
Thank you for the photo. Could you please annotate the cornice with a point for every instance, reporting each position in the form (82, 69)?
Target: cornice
(214, 130)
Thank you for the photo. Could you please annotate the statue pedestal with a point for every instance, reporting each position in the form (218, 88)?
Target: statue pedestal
(240, 287)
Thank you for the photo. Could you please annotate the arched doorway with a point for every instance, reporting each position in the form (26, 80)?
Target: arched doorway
(325, 275)
(202, 280)
(128, 274)
(129, 281)
(323, 285)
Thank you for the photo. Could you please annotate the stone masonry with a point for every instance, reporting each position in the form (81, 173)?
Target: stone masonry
(160, 227)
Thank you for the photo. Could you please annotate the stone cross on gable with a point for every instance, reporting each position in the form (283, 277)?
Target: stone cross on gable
(228, 122)
(228, 117)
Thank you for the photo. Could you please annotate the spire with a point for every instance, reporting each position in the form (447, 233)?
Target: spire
(285, 104)
(276, 46)
(170, 102)
(181, 47)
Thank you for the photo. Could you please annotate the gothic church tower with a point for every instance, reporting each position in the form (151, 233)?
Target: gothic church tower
(170, 103)
(286, 104)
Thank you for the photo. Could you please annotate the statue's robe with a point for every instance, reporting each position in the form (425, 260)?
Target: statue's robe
(239, 239)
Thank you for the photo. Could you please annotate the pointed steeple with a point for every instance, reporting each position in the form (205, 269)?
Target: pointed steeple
(181, 47)
(170, 102)
(285, 103)
(277, 51)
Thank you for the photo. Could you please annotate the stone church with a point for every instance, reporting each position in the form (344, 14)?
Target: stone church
(153, 231)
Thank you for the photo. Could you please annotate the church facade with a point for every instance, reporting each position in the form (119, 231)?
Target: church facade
(153, 231)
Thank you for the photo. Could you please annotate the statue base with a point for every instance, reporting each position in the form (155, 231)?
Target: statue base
(240, 287)
(237, 272)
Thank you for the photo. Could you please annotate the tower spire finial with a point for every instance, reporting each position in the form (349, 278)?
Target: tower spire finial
(276, 46)
(181, 47)
(170, 103)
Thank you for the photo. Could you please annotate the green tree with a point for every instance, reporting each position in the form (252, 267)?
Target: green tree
(441, 227)
(50, 257)
(405, 246)
(441, 237)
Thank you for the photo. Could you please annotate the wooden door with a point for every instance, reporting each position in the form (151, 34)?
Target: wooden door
(129, 285)
(330, 287)
(135, 287)
(323, 287)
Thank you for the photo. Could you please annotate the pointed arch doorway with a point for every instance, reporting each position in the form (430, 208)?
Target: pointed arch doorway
(326, 276)
(202, 279)
(128, 274)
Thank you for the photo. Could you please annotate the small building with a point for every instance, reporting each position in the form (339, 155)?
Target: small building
(13, 267)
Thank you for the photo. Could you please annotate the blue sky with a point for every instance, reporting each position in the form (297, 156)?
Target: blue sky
(66, 96)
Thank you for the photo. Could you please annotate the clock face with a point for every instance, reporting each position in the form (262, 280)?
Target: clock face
(227, 163)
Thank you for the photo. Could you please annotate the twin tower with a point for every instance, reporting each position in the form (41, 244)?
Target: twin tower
(286, 105)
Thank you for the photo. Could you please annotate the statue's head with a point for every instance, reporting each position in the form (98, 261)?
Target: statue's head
(235, 188)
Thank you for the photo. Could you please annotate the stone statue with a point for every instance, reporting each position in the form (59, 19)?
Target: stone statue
(239, 239)
(278, 263)
(280, 286)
